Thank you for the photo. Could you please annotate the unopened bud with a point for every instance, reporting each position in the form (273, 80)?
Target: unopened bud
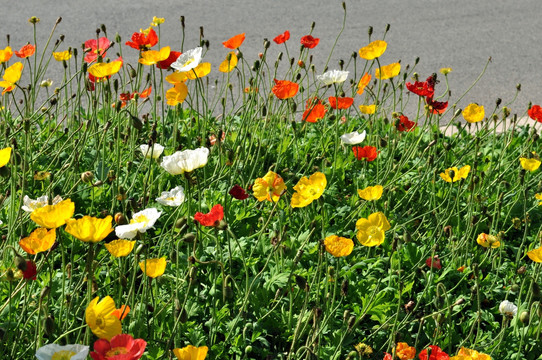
(87, 176)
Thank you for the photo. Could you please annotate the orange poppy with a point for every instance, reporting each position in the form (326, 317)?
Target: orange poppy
(142, 41)
(26, 51)
(284, 89)
(234, 42)
(340, 102)
(314, 111)
(363, 82)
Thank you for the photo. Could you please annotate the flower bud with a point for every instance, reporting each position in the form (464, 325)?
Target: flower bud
(34, 20)
(189, 238)
(49, 325)
(525, 318)
(20, 262)
(87, 176)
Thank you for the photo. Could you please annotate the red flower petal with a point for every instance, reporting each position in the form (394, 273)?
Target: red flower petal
(309, 41)
(404, 124)
(140, 41)
(341, 102)
(234, 42)
(314, 111)
(535, 113)
(238, 193)
(285, 89)
(368, 153)
(212, 218)
(165, 64)
(30, 272)
(282, 38)
(26, 51)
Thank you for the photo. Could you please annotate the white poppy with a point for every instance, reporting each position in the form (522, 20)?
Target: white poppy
(140, 223)
(156, 151)
(174, 197)
(66, 352)
(353, 138)
(508, 309)
(333, 77)
(185, 161)
(31, 205)
(188, 60)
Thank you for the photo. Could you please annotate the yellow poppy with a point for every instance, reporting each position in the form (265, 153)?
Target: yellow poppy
(177, 94)
(531, 164)
(473, 113)
(38, 241)
(488, 241)
(371, 193)
(5, 155)
(405, 352)
(458, 174)
(373, 50)
(53, 216)
(367, 109)
(539, 198)
(151, 57)
(11, 76)
(308, 189)
(371, 231)
(269, 188)
(191, 353)
(120, 247)
(101, 320)
(176, 78)
(153, 267)
(535, 255)
(388, 71)
(199, 71)
(103, 70)
(229, 64)
(338, 246)
(468, 354)
(5, 54)
(89, 229)
(62, 55)
(445, 71)
(157, 21)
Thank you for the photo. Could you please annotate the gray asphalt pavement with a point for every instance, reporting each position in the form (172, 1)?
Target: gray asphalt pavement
(453, 33)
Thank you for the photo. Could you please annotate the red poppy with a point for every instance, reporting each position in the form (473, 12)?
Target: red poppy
(404, 124)
(436, 354)
(282, 38)
(421, 88)
(436, 107)
(125, 97)
(387, 356)
(367, 152)
(30, 272)
(165, 64)
(234, 42)
(145, 93)
(314, 111)
(309, 41)
(285, 89)
(238, 193)
(341, 102)
(141, 41)
(94, 47)
(212, 218)
(26, 51)
(122, 346)
(433, 262)
(535, 113)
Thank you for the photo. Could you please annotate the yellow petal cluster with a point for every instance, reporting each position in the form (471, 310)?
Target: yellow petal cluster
(153, 267)
(367, 109)
(371, 231)
(157, 21)
(177, 94)
(388, 71)
(308, 189)
(535, 255)
(11, 77)
(473, 113)
(199, 71)
(89, 229)
(269, 188)
(529, 164)
(38, 241)
(5, 54)
(5, 155)
(373, 50)
(229, 64)
(191, 352)
(99, 317)
(103, 70)
(338, 246)
(468, 354)
(371, 193)
(151, 57)
(539, 198)
(62, 55)
(120, 247)
(53, 216)
(458, 174)
(488, 241)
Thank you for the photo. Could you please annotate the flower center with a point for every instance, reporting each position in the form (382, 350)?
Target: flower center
(141, 219)
(116, 351)
(373, 231)
(63, 355)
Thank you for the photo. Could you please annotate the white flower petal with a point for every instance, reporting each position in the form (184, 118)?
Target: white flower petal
(174, 197)
(188, 60)
(157, 150)
(48, 351)
(185, 161)
(333, 77)
(353, 138)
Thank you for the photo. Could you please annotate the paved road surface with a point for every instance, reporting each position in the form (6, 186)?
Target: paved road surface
(452, 33)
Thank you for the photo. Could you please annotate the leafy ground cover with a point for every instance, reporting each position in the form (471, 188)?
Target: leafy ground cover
(279, 212)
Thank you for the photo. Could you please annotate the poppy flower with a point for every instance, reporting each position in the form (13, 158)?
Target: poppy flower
(314, 111)
(404, 124)
(308, 189)
(55, 351)
(62, 55)
(338, 246)
(177, 94)
(405, 352)
(269, 188)
(95, 48)
(140, 223)
(469, 354)
(367, 152)
(363, 82)
(371, 193)
(353, 138)
(387, 356)
(30, 272)
(309, 41)
(101, 71)
(5, 54)
(38, 241)
(26, 51)
(529, 164)
(151, 57)
(473, 113)
(535, 113)
(120, 247)
(189, 60)
(53, 216)
(535, 255)
(333, 77)
(435, 107)
(445, 71)
(284, 89)
(388, 71)
(173, 197)
(282, 38)
(421, 88)
(458, 174)
(185, 161)
(99, 317)
(229, 63)
(142, 41)
(340, 102)
(200, 71)
(121, 346)
(234, 42)
(121, 312)
(238, 192)
(373, 50)
(191, 352)
(367, 109)
(372, 231)
(488, 241)
(436, 354)
(212, 218)
(433, 262)
(11, 75)
(153, 267)
(5, 155)
(165, 64)
(89, 229)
